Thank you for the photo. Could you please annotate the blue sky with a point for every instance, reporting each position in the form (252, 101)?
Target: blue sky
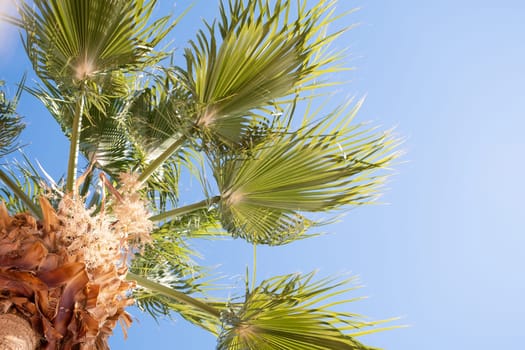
(445, 251)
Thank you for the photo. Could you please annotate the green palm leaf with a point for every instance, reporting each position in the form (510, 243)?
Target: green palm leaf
(264, 55)
(103, 139)
(159, 115)
(157, 298)
(76, 40)
(10, 123)
(24, 184)
(169, 263)
(128, 132)
(321, 166)
(291, 312)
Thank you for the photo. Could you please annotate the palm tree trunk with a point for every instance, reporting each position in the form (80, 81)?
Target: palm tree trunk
(16, 333)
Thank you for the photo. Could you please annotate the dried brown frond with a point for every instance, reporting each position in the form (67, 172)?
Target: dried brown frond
(64, 275)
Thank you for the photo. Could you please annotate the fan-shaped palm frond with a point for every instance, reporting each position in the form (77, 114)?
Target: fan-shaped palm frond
(317, 168)
(160, 125)
(264, 55)
(103, 139)
(159, 115)
(77, 40)
(292, 312)
(10, 123)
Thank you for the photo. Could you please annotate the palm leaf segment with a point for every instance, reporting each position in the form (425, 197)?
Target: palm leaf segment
(77, 40)
(159, 114)
(320, 167)
(290, 312)
(10, 123)
(265, 55)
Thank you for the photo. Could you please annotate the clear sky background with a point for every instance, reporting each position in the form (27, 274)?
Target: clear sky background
(447, 251)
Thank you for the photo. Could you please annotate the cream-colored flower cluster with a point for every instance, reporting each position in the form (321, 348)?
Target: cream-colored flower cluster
(86, 235)
(131, 212)
(109, 236)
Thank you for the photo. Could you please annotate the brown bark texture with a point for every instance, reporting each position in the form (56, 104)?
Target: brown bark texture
(46, 282)
(16, 333)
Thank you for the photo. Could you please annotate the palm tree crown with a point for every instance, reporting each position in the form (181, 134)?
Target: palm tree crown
(114, 232)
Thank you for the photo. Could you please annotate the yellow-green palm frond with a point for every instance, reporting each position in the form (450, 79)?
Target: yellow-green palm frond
(22, 188)
(264, 54)
(69, 41)
(10, 123)
(292, 312)
(321, 166)
(158, 115)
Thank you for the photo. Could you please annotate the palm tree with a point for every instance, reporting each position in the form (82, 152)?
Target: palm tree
(75, 253)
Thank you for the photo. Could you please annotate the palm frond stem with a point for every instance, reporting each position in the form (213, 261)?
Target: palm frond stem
(74, 145)
(35, 210)
(161, 159)
(171, 293)
(205, 203)
(254, 267)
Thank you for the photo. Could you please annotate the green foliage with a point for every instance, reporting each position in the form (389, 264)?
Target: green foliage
(291, 312)
(158, 114)
(263, 56)
(220, 117)
(24, 185)
(67, 46)
(324, 165)
(10, 123)
(170, 260)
